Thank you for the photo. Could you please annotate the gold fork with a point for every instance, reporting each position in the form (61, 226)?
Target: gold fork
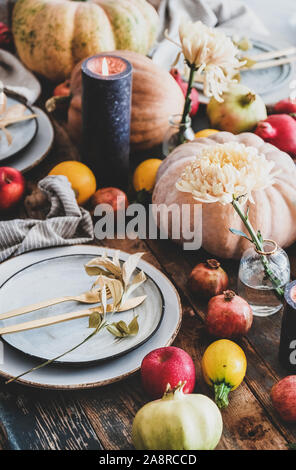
(90, 297)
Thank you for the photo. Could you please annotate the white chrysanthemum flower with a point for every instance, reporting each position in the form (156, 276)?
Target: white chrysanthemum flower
(213, 54)
(223, 171)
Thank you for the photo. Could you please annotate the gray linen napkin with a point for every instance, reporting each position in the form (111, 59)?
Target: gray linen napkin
(65, 224)
(230, 14)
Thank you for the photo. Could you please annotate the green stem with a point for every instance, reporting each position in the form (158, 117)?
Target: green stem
(221, 394)
(259, 246)
(187, 105)
(50, 361)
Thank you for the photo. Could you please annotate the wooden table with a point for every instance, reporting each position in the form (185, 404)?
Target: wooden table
(102, 418)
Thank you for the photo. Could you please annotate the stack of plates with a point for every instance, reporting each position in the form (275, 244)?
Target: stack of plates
(56, 272)
(31, 139)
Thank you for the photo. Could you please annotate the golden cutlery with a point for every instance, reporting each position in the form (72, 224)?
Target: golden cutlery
(90, 297)
(41, 322)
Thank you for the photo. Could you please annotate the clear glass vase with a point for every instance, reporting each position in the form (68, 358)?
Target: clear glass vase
(253, 283)
(177, 134)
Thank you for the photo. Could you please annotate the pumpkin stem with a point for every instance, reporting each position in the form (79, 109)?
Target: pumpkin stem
(228, 295)
(212, 263)
(175, 392)
(221, 394)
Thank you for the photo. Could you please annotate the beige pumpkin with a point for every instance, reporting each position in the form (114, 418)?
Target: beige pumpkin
(274, 211)
(155, 97)
(51, 36)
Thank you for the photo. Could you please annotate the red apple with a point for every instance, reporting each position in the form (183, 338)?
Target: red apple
(164, 366)
(12, 187)
(283, 397)
(116, 198)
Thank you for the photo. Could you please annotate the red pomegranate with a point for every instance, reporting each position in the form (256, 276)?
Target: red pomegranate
(280, 131)
(6, 39)
(283, 397)
(228, 315)
(286, 106)
(184, 86)
(208, 279)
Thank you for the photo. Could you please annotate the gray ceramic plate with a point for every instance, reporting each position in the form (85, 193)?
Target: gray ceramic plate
(22, 133)
(39, 148)
(13, 362)
(61, 276)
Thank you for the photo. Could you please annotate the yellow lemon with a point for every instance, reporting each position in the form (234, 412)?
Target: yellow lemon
(206, 132)
(82, 179)
(145, 174)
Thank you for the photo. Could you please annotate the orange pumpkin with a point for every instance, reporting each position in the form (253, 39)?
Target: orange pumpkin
(155, 97)
(274, 211)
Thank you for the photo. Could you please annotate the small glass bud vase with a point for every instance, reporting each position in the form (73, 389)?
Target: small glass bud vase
(253, 283)
(177, 134)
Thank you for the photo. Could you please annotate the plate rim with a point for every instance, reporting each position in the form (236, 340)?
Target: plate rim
(117, 378)
(16, 98)
(93, 361)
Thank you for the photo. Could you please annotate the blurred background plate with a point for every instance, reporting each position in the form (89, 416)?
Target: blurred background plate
(39, 148)
(22, 133)
(271, 83)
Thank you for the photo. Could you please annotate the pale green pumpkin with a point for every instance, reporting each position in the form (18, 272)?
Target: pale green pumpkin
(51, 36)
(178, 422)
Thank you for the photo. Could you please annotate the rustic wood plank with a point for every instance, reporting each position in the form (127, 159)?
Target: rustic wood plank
(44, 420)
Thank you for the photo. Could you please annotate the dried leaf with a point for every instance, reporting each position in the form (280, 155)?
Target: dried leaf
(95, 270)
(116, 258)
(114, 331)
(95, 320)
(134, 327)
(139, 279)
(105, 263)
(129, 266)
(92, 296)
(122, 330)
(248, 62)
(114, 286)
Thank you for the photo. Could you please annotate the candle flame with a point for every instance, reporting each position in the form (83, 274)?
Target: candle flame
(105, 69)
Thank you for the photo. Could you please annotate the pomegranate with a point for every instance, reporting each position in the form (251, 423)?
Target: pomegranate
(240, 111)
(287, 106)
(283, 397)
(280, 131)
(184, 86)
(63, 89)
(228, 315)
(116, 199)
(6, 39)
(208, 279)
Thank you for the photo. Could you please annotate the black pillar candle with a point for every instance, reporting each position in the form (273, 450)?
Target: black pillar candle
(106, 114)
(287, 352)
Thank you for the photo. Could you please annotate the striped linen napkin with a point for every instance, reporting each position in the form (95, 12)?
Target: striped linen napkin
(65, 224)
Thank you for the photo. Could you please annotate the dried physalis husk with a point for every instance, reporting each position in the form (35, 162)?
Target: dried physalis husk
(11, 115)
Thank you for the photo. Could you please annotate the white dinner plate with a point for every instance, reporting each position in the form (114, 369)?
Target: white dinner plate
(86, 376)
